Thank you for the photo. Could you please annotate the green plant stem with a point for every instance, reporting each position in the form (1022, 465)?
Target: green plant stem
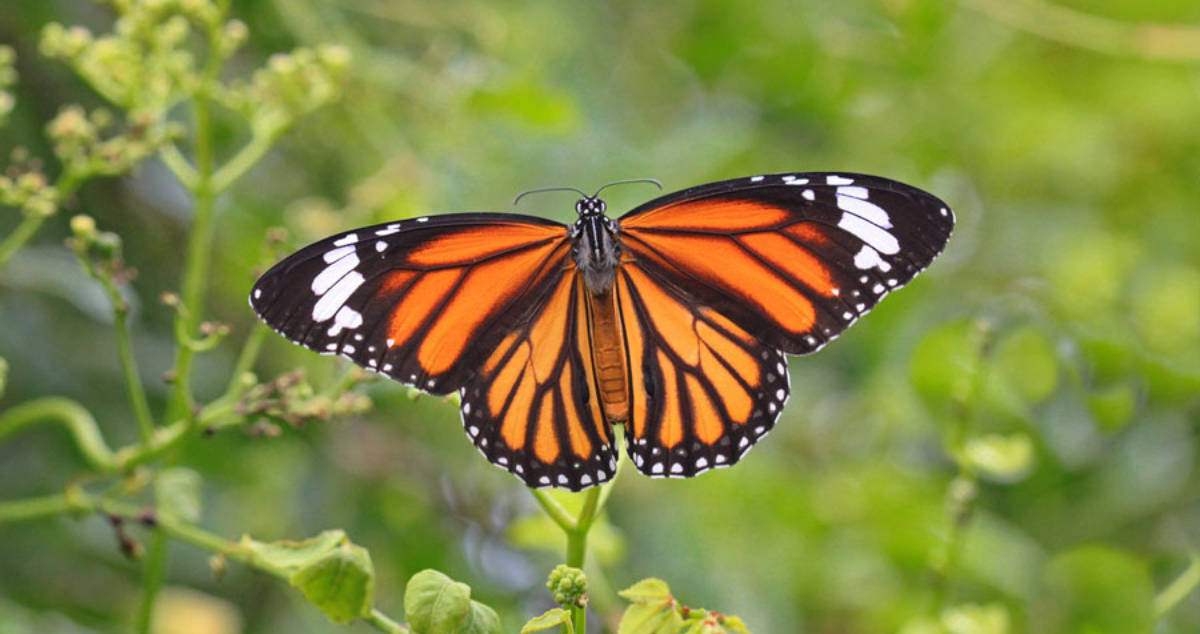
(195, 269)
(169, 526)
(129, 369)
(178, 164)
(152, 579)
(555, 510)
(260, 143)
(1178, 589)
(577, 548)
(78, 421)
(22, 234)
(384, 623)
(34, 508)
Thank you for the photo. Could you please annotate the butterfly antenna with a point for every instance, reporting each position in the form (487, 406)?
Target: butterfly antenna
(653, 181)
(546, 189)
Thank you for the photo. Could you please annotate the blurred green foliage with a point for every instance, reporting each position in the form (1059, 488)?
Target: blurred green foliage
(1009, 445)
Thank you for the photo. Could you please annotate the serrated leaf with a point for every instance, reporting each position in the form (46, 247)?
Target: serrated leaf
(650, 618)
(290, 556)
(549, 619)
(177, 492)
(341, 584)
(650, 589)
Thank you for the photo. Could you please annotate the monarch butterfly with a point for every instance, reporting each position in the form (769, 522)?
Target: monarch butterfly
(673, 320)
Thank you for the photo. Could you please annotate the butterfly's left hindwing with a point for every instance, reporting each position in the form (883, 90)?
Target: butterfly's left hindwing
(421, 300)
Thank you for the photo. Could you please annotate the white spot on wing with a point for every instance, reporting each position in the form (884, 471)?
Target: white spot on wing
(381, 246)
(349, 319)
(349, 238)
(870, 233)
(863, 208)
(332, 273)
(808, 194)
(755, 179)
(834, 179)
(867, 258)
(857, 192)
(331, 301)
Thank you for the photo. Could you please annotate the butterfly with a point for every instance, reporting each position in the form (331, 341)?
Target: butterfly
(673, 320)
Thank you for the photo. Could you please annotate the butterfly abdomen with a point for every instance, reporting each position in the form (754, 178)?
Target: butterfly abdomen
(608, 355)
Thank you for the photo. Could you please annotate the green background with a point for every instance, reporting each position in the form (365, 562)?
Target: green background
(1049, 360)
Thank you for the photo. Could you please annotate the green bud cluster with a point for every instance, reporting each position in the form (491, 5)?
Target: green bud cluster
(289, 399)
(289, 86)
(568, 585)
(81, 144)
(98, 251)
(24, 186)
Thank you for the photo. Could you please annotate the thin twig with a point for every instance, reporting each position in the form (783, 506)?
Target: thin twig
(1164, 42)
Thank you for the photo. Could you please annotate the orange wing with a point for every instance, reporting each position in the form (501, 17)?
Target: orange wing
(719, 281)
(422, 301)
(532, 407)
(705, 389)
(794, 259)
(485, 304)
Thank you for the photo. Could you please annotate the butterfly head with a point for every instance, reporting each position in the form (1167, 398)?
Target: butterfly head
(589, 206)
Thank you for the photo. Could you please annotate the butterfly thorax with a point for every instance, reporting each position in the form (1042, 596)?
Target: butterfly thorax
(597, 250)
(597, 253)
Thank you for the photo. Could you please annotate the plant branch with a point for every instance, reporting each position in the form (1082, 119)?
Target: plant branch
(1178, 589)
(78, 421)
(554, 510)
(129, 369)
(178, 164)
(1083, 30)
(34, 508)
(260, 143)
(200, 241)
(152, 579)
(167, 526)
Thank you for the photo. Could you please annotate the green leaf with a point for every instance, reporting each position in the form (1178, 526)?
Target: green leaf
(480, 619)
(1026, 362)
(287, 557)
(341, 584)
(437, 604)
(650, 618)
(945, 364)
(1094, 589)
(650, 589)
(177, 492)
(549, 619)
